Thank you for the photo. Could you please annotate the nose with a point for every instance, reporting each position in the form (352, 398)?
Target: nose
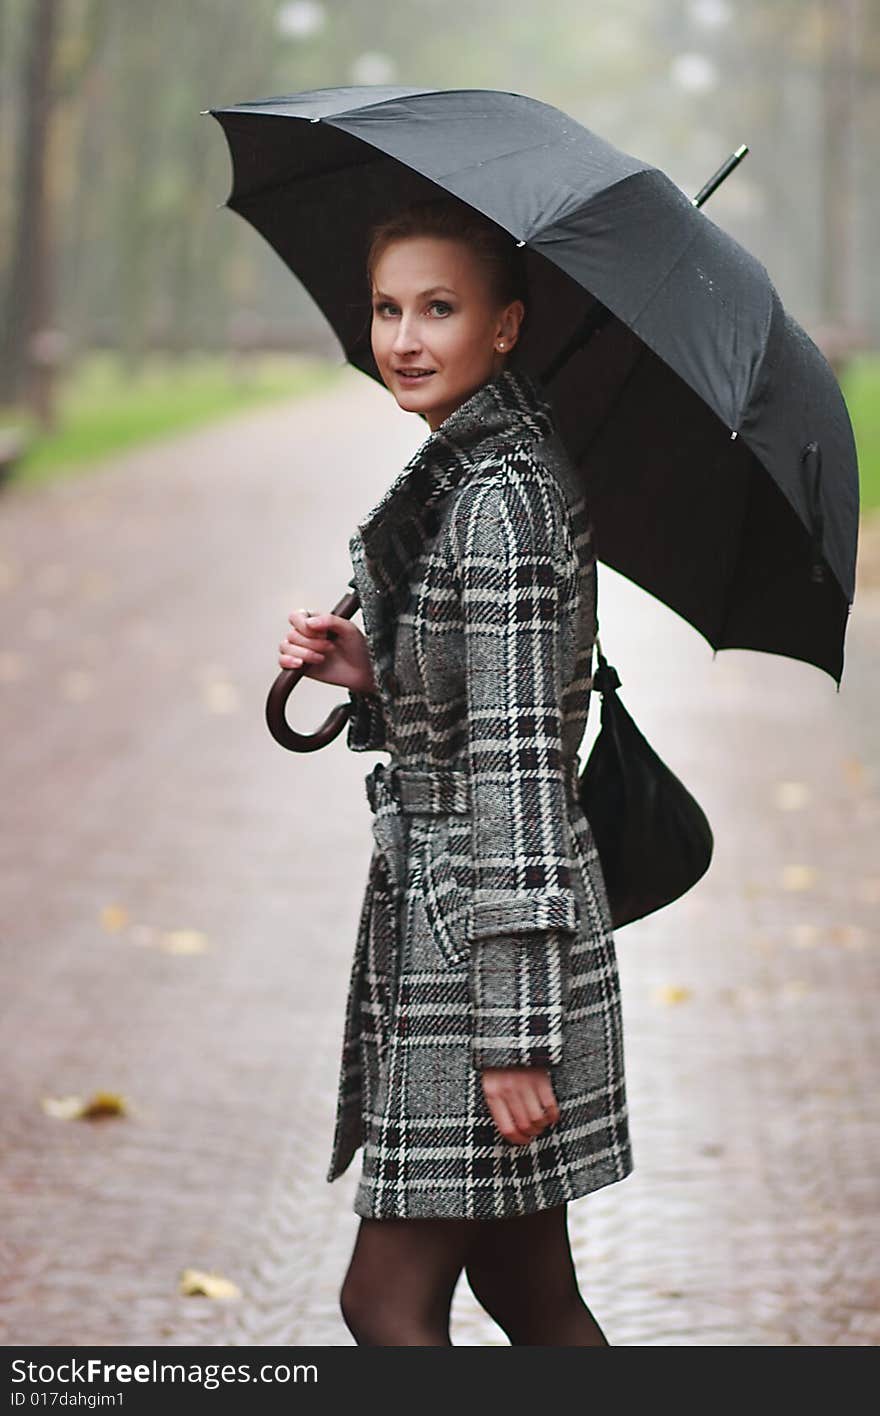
(406, 338)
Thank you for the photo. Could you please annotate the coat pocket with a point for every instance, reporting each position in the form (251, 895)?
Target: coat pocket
(447, 905)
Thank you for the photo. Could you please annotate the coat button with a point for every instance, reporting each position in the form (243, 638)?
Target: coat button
(391, 682)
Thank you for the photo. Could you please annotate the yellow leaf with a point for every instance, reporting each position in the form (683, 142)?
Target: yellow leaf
(212, 1285)
(671, 993)
(114, 917)
(102, 1103)
(184, 941)
(798, 877)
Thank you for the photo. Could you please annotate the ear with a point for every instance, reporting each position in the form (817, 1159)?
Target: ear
(511, 319)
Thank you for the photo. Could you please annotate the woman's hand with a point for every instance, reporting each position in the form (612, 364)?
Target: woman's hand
(329, 648)
(521, 1100)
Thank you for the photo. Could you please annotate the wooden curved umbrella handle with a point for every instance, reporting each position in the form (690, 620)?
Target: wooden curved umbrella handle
(284, 685)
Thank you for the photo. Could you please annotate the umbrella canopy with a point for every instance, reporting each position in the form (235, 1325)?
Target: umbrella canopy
(711, 432)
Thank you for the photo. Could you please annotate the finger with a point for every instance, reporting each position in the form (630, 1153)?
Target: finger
(291, 645)
(506, 1122)
(328, 623)
(307, 623)
(522, 1106)
(547, 1098)
(534, 1107)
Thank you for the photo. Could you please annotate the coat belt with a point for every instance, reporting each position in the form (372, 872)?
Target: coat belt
(394, 791)
(432, 791)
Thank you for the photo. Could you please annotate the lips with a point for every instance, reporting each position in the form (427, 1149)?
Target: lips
(411, 375)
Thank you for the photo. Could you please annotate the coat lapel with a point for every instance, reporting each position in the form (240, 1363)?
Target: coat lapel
(508, 408)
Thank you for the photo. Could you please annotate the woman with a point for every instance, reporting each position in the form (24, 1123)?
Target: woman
(482, 1065)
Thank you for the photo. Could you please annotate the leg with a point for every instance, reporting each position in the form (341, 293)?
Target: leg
(401, 1278)
(521, 1270)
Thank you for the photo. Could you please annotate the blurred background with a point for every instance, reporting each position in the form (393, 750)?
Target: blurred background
(183, 455)
(133, 302)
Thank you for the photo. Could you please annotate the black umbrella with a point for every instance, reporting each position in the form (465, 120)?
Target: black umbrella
(711, 432)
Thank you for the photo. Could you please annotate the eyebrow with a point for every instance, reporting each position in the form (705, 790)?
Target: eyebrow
(433, 291)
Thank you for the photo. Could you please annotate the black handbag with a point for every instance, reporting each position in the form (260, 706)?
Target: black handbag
(653, 838)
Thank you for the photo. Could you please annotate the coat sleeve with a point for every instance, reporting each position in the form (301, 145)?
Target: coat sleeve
(366, 722)
(367, 729)
(511, 568)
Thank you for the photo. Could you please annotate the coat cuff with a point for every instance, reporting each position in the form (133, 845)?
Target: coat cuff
(366, 722)
(519, 990)
(496, 912)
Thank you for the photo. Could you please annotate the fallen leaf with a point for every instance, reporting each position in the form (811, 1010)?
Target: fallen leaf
(103, 1103)
(671, 993)
(798, 877)
(184, 941)
(114, 918)
(212, 1285)
(69, 1108)
(854, 771)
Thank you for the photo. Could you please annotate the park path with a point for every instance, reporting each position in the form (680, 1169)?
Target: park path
(178, 904)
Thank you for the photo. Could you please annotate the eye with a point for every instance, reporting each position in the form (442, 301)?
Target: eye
(380, 305)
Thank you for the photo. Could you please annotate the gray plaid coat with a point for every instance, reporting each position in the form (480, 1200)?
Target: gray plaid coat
(485, 936)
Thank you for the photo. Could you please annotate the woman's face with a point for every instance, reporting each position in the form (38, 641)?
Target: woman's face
(432, 310)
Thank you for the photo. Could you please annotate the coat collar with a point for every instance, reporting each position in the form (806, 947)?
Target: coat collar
(509, 408)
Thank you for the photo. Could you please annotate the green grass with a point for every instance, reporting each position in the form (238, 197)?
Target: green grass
(101, 410)
(861, 389)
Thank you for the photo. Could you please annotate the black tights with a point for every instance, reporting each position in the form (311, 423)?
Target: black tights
(403, 1272)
